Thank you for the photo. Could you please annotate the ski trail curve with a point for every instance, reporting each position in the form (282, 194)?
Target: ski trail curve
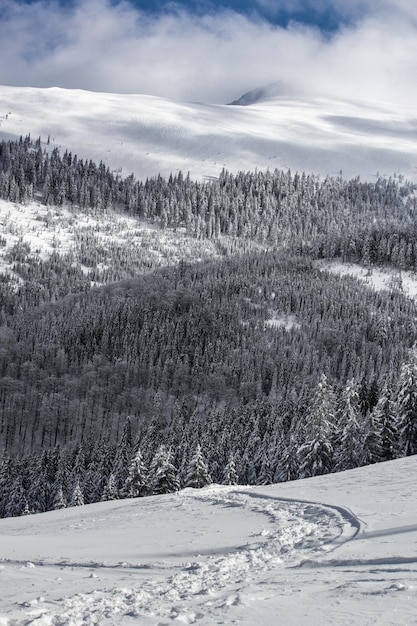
(351, 527)
(289, 531)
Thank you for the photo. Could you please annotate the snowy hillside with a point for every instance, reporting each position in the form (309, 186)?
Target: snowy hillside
(45, 231)
(337, 549)
(148, 135)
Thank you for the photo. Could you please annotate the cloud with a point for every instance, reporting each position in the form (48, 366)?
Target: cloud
(212, 57)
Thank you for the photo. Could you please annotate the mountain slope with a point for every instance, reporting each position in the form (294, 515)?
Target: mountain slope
(148, 135)
(337, 549)
(274, 90)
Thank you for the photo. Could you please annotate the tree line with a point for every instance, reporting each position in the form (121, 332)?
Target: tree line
(261, 444)
(369, 221)
(252, 367)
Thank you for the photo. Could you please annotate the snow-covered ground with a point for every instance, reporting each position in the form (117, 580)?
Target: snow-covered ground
(377, 278)
(147, 135)
(46, 230)
(338, 549)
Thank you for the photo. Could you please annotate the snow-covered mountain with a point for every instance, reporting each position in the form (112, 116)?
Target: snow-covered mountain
(279, 89)
(337, 549)
(147, 135)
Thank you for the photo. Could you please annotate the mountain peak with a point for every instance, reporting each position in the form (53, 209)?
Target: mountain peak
(279, 89)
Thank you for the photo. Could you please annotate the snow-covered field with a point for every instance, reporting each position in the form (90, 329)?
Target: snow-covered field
(338, 549)
(147, 135)
(377, 278)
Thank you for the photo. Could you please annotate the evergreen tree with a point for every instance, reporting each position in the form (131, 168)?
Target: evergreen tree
(230, 473)
(77, 498)
(197, 474)
(350, 443)
(316, 453)
(372, 444)
(406, 407)
(17, 500)
(163, 473)
(288, 462)
(137, 480)
(386, 417)
(59, 502)
(123, 456)
(110, 491)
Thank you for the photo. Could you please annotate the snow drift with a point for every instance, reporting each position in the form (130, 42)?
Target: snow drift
(147, 135)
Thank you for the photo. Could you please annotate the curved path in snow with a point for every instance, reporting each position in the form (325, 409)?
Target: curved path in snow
(289, 534)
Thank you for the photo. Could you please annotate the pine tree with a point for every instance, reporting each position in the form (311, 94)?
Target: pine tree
(350, 444)
(59, 502)
(316, 453)
(26, 510)
(17, 499)
(163, 473)
(230, 473)
(110, 491)
(123, 455)
(77, 498)
(288, 462)
(137, 481)
(7, 471)
(372, 438)
(406, 407)
(385, 414)
(197, 474)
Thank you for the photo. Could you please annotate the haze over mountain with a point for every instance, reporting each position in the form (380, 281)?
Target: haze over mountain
(274, 90)
(148, 135)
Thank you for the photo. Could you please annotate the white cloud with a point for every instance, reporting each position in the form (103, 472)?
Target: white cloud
(215, 57)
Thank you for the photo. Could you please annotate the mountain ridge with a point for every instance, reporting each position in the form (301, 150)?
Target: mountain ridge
(278, 89)
(148, 135)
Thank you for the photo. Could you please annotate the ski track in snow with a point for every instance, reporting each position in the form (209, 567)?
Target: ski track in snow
(289, 530)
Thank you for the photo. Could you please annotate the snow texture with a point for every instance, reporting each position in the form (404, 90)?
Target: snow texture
(377, 278)
(337, 549)
(147, 136)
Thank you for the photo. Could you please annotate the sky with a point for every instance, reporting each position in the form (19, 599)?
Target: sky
(212, 51)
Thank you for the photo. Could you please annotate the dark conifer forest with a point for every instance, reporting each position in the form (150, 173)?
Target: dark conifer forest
(123, 374)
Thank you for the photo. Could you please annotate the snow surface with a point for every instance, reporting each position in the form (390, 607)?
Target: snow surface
(147, 135)
(377, 278)
(337, 549)
(49, 229)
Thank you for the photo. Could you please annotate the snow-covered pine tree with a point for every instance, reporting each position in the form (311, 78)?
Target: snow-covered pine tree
(371, 441)
(17, 499)
(197, 474)
(137, 480)
(7, 470)
(287, 462)
(316, 453)
(349, 453)
(386, 417)
(163, 473)
(123, 455)
(406, 407)
(230, 473)
(110, 491)
(26, 510)
(59, 501)
(77, 498)
(267, 469)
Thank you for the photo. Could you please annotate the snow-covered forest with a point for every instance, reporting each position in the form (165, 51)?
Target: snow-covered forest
(206, 344)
